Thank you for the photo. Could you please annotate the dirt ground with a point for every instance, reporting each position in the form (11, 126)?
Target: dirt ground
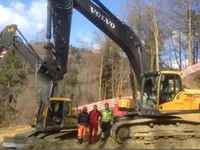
(70, 142)
(13, 130)
(112, 144)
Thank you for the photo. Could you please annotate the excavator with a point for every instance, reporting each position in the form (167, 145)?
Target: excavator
(158, 97)
(54, 113)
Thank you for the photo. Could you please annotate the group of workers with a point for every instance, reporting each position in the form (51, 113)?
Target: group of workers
(92, 120)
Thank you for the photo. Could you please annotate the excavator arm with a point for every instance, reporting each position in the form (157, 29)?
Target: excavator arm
(45, 74)
(9, 40)
(61, 11)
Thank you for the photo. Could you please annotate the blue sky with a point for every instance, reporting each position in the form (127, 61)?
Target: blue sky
(30, 16)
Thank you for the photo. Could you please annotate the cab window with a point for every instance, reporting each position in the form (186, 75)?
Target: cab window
(67, 108)
(149, 92)
(170, 86)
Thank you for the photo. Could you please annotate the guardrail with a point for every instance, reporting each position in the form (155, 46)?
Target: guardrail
(100, 104)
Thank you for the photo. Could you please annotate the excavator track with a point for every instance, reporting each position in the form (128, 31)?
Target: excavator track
(155, 130)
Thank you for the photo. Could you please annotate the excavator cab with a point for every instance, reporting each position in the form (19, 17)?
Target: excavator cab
(170, 86)
(162, 93)
(158, 89)
(58, 116)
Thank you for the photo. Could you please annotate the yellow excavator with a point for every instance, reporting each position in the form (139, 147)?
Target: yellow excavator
(157, 114)
(54, 114)
(158, 97)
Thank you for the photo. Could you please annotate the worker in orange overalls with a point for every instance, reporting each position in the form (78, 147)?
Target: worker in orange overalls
(94, 122)
(83, 124)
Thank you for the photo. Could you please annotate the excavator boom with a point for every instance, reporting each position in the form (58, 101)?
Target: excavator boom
(61, 12)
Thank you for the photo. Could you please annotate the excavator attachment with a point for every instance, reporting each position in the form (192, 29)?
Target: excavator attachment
(6, 40)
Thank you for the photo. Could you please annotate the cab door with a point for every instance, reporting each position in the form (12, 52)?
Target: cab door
(169, 93)
(40, 116)
(70, 119)
(149, 102)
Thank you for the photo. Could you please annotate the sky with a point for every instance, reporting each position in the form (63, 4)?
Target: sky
(30, 16)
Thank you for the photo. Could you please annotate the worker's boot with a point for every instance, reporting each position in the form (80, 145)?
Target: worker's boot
(94, 140)
(103, 136)
(79, 140)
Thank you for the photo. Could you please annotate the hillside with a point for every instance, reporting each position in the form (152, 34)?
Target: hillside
(85, 70)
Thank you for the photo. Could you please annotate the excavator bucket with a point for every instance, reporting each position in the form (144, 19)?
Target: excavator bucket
(6, 38)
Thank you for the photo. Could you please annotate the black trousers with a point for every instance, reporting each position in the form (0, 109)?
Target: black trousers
(105, 126)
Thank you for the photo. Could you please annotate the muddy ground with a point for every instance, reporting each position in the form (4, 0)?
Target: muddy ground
(111, 144)
(70, 142)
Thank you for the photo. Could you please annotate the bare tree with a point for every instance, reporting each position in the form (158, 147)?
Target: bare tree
(190, 56)
(155, 31)
(100, 76)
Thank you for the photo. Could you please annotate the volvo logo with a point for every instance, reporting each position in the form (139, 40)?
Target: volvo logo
(103, 18)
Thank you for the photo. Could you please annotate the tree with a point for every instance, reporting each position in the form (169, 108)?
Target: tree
(195, 29)
(155, 31)
(183, 19)
(11, 71)
(112, 69)
(12, 74)
(190, 56)
(147, 24)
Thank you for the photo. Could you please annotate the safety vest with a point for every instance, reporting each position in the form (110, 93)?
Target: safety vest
(107, 115)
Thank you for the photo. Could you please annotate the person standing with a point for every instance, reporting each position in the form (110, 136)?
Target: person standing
(83, 124)
(94, 122)
(106, 121)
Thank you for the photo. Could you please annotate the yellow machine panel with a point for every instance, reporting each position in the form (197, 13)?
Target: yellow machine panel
(125, 103)
(186, 101)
